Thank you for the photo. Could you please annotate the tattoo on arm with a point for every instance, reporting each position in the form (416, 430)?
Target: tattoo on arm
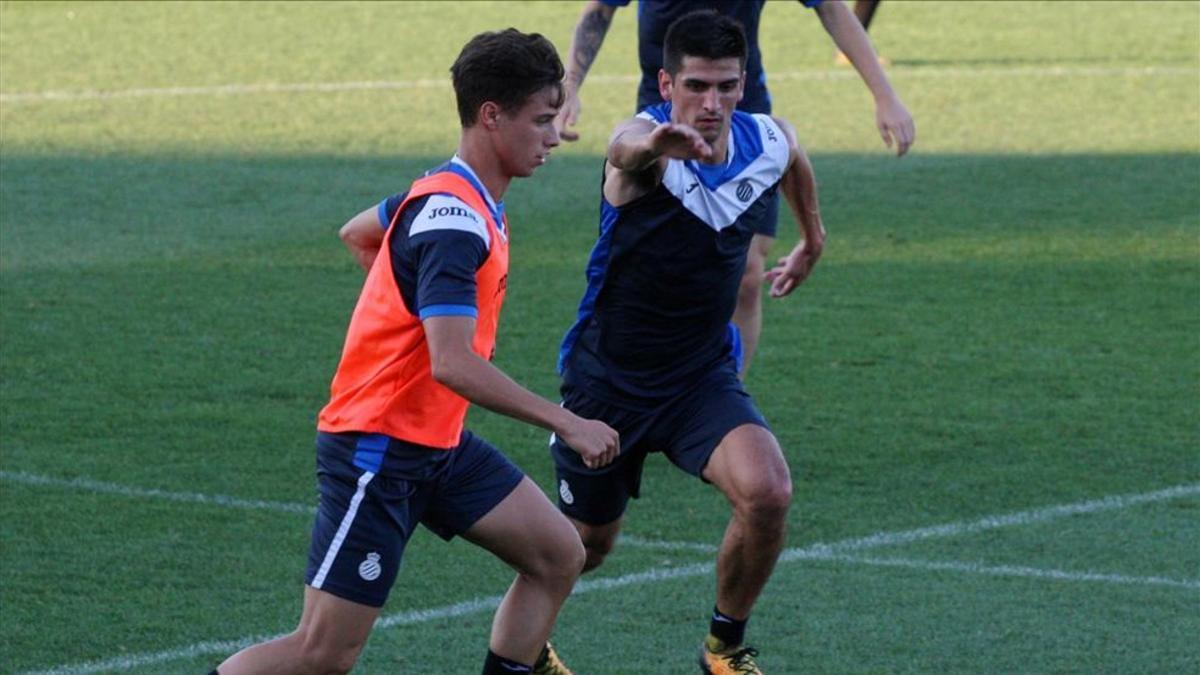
(588, 38)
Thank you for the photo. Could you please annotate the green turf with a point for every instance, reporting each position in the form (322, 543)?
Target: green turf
(1006, 319)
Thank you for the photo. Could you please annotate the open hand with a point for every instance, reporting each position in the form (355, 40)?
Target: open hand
(895, 124)
(795, 267)
(679, 141)
(568, 115)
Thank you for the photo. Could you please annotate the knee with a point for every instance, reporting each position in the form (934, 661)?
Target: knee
(560, 563)
(766, 505)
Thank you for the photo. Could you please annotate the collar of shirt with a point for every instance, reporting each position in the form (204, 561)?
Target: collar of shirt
(465, 170)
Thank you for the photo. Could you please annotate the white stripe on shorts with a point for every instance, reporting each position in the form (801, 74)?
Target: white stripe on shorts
(340, 537)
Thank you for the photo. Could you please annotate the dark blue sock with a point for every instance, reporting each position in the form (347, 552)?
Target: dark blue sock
(727, 629)
(498, 665)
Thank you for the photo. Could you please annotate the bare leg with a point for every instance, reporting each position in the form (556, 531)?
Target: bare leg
(528, 532)
(747, 316)
(749, 468)
(598, 540)
(331, 634)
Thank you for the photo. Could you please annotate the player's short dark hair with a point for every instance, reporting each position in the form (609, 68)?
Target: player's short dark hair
(506, 67)
(706, 34)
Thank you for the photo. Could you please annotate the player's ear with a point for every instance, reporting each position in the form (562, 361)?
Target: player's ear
(664, 84)
(489, 115)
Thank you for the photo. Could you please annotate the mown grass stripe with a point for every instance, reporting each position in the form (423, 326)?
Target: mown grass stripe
(102, 487)
(422, 83)
(831, 552)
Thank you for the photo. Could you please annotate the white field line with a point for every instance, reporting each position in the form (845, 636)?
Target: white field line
(993, 522)
(870, 541)
(1006, 570)
(101, 487)
(899, 72)
(88, 485)
(588, 585)
(815, 552)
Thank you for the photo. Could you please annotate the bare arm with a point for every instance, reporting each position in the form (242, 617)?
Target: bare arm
(458, 367)
(892, 119)
(585, 45)
(363, 235)
(637, 153)
(799, 185)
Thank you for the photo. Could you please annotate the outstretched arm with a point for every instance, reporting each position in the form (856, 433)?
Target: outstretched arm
(892, 119)
(637, 153)
(458, 367)
(799, 185)
(589, 35)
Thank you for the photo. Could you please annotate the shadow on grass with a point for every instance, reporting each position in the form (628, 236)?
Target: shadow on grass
(63, 211)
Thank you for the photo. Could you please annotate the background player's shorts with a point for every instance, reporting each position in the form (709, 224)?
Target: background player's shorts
(768, 224)
(687, 429)
(374, 491)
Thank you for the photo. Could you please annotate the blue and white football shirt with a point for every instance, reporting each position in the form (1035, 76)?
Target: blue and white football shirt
(664, 274)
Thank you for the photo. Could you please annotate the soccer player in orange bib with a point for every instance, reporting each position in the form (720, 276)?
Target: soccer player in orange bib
(391, 448)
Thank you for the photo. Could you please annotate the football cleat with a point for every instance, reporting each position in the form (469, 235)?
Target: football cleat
(548, 663)
(735, 661)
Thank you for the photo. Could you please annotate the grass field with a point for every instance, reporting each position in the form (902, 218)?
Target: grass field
(989, 391)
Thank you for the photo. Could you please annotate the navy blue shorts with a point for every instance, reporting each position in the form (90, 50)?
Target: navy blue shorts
(687, 429)
(374, 491)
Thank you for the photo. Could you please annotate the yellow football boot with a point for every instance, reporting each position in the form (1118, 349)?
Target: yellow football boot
(549, 663)
(717, 659)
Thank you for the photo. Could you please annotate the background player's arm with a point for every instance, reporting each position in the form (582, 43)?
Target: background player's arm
(363, 235)
(637, 153)
(799, 185)
(458, 367)
(892, 119)
(585, 45)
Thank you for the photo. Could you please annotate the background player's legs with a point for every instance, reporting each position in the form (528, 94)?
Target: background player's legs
(864, 10)
(598, 540)
(748, 313)
(331, 634)
(749, 468)
(527, 532)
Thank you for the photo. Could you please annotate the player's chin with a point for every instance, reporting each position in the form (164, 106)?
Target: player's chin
(532, 166)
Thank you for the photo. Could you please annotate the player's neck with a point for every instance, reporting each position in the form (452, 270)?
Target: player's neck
(486, 165)
(720, 153)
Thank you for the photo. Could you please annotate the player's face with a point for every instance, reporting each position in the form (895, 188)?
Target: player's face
(704, 93)
(528, 135)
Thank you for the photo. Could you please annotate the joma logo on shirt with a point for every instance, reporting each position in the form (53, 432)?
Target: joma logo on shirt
(442, 211)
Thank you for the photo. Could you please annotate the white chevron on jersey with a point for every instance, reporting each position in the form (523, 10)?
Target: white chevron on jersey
(721, 207)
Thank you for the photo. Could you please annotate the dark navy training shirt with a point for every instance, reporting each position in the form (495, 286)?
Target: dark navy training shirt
(663, 276)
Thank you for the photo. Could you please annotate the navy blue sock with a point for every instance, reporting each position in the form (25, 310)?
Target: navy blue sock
(498, 665)
(727, 629)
